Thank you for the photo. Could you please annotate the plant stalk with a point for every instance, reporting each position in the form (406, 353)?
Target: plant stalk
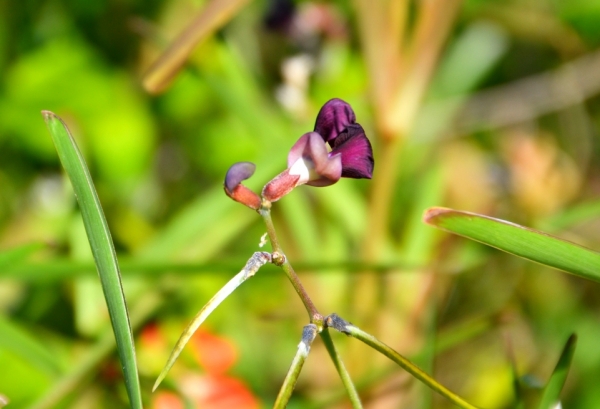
(280, 259)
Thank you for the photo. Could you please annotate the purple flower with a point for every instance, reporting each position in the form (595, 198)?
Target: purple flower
(309, 161)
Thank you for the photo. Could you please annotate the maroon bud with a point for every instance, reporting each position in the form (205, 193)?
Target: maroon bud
(234, 189)
(280, 186)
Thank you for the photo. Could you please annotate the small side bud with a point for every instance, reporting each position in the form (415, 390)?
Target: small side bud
(280, 186)
(233, 187)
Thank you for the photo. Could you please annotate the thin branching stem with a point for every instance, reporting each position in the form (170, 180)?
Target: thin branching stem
(334, 321)
(280, 260)
(341, 369)
(308, 336)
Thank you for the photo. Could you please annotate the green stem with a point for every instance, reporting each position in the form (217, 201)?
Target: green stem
(308, 336)
(336, 322)
(341, 369)
(280, 260)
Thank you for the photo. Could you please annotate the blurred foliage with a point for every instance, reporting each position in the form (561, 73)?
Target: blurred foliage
(482, 141)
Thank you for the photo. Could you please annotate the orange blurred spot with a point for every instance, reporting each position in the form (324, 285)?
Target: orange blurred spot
(151, 337)
(167, 400)
(218, 392)
(215, 354)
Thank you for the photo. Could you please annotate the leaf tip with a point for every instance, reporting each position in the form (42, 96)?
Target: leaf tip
(158, 381)
(433, 212)
(48, 115)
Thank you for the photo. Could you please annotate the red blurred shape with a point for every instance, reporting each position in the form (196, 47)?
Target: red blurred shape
(215, 354)
(167, 400)
(218, 392)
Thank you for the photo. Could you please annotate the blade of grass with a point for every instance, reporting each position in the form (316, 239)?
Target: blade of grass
(214, 15)
(518, 240)
(255, 262)
(308, 336)
(102, 249)
(551, 394)
(61, 269)
(341, 369)
(336, 322)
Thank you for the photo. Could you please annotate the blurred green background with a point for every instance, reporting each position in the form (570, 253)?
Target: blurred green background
(500, 115)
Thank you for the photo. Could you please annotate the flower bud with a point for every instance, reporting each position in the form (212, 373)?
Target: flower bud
(280, 186)
(234, 189)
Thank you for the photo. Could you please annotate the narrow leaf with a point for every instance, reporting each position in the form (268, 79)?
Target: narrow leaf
(336, 322)
(518, 240)
(341, 369)
(255, 262)
(102, 249)
(551, 395)
(215, 14)
(309, 334)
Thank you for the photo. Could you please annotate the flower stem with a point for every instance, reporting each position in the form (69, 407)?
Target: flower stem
(334, 321)
(342, 371)
(280, 259)
(308, 336)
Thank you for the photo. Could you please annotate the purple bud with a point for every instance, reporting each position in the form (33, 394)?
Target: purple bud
(237, 173)
(333, 118)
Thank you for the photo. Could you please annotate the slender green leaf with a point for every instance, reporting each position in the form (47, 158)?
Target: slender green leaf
(309, 334)
(61, 269)
(518, 240)
(255, 262)
(213, 16)
(341, 369)
(102, 249)
(551, 394)
(336, 322)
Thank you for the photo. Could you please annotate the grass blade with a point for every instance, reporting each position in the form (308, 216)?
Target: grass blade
(309, 334)
(518, 240)
(551, 395)
(336, 322)
(255, 262)
(102, 249)
(341, 369)
(215, 14)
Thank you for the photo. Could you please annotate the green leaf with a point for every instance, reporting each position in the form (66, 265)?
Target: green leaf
(518, 240)
(214, 15)
(102, 249)
(345, 327)
(255, 262)
(551, 395)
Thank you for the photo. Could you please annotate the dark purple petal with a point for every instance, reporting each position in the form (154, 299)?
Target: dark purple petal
(356, 152)
(333, 118)
(237, 173)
